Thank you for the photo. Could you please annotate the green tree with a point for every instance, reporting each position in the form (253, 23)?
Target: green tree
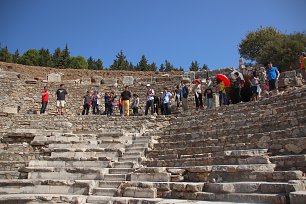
(16, 56)
(99, 64)
(91, 63)
(57, 59)
(30, 57)
(5, 55)
(131, 66)
(143, 64)
(162, 68)
(66, 57)
(44, 58)
(268, 44)
(153, 67)
(254, 44)
(78, 62)
(168, 66)
(120, 63)
(204, 67)
(194, 66)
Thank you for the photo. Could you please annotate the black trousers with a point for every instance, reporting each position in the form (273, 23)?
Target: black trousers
(85, 109)
(198, 100)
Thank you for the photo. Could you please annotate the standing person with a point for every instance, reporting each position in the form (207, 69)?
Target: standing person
(272, 76)
(221, 90)
(95, 103)
(237, 88)
(197, 89)
(209, 96)
(120, 106)
(150, 100)
(135, 104)
(126, 97)
(87, 101)
(61, 99)
(44, 100)
(255, 86)
(156, 104)
(166, 101)
(178, 93)
(185, 92)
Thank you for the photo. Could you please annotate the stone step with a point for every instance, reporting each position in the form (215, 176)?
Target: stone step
(105, 191)
(120, 170)
(11, 165)
(202, 160)
(298, 197)
(141, 141)
(79, 155)
(42, 198)
(42, 163)
(132, 146)
(73, 175)
(128, 200)
(9, 174)
(94, 149)
(44, 186)
(128, 159)
(123, 164)
(289, 162)
(114, 177)
(253, 187)
(109, 184)
(132, 154)
(86, 144)
(135, 150)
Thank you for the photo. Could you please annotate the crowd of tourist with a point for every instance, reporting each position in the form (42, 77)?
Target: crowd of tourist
(160, 103)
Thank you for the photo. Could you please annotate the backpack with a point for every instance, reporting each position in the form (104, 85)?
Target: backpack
(185, 91)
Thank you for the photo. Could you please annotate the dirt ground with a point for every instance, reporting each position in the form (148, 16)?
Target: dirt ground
(73, 74)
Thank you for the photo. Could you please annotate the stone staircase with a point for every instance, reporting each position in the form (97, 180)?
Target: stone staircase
(249, 153)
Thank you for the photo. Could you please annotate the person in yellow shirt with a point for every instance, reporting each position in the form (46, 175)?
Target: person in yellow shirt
(221, 90)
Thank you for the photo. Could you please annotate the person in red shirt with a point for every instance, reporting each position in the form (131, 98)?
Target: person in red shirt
(44, 100)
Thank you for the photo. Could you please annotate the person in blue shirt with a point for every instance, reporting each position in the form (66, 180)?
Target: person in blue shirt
(272, 76)
(166, 101)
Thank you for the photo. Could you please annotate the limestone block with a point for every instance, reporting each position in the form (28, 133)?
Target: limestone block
(194, 187)
(85, 81)
(298, 197)
(109, 82)
(140, 192)
(298, 81)
(176, 178)
(293, 148)
(53, 77)
(157, 177)
(128, 80)
(12, 110)
(288, 74)
(179, 187)
(96, 79)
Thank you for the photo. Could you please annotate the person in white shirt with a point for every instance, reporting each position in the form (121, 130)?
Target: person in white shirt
(150, 100)
(166, 101)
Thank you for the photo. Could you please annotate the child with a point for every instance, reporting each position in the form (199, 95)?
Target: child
(135, 104)
(209, 95)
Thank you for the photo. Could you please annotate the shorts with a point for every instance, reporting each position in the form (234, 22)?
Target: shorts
(272, 84)
(60, 103)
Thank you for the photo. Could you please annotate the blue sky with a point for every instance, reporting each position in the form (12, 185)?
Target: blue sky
(180, 31)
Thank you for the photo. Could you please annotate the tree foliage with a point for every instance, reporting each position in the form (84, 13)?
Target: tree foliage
(78, 62)
(268, 44)
(120, 63)
(195, 66)
(5, 55)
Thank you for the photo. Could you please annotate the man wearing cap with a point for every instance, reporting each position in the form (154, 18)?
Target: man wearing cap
(150, 100)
